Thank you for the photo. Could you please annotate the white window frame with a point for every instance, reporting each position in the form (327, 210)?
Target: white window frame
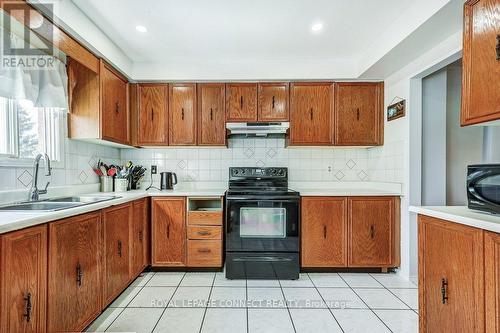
(7, 160)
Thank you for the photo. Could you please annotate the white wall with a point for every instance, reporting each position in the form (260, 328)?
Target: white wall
(434, 139)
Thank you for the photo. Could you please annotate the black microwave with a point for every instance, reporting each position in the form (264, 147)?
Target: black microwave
(483, 187)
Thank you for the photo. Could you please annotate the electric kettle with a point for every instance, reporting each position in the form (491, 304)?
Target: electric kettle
(167, 180)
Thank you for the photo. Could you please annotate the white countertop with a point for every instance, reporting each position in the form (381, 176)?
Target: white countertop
(11, 221)
(461, 215)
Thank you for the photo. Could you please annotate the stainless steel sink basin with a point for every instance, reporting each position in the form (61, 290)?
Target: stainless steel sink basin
(51, 205)
(39, 206)
(83, 199)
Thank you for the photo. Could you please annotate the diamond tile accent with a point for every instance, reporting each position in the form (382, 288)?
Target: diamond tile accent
(362, 175)
(93, 161)
(25, 178)
(271, 153)
(260, 163)
(339, 175)
(249, 152)
(83, 176)
(192, 176)
(182, 164)
(350, 164)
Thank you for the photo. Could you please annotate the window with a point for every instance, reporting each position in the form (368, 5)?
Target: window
(26, 130)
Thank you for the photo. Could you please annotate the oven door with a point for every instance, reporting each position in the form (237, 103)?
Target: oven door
(262, 225)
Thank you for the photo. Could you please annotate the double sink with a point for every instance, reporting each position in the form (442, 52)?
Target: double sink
(51, 205)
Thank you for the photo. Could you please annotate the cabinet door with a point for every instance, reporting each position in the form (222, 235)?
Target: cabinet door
(114, 106)
(139, 237)
(212, 114)
(492, 281)
(74, 288)
(358, 112)
(273, 102)
(182, 110)
(168, 238)
(311, 112)
(241, 102)
(153, 114)
(481, 64)
(116, 224)
(451, 272)
(373, 232)
(324, 232)
(23, 276)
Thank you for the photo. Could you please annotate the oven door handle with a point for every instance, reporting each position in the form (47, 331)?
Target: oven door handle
(266, 259)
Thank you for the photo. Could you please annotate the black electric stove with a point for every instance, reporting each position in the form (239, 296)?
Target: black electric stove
(262, 225)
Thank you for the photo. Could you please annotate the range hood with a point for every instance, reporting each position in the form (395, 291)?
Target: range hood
(274, 129)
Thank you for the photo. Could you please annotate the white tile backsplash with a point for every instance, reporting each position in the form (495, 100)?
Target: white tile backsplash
(305, 164)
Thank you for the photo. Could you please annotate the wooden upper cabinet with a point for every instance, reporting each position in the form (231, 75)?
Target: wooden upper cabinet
(359, 117)
(114, 106)
(139, 237)
(241, 102)
(211, 114)
(152, 114)
(311, 114)
(324, 232)
(492, 281)
(23, 277)
(481, 62)
(74, 274)
(273, 102)
(374, 232)
(451, 273)
(168, 232)
(182, 114)
(116, 224)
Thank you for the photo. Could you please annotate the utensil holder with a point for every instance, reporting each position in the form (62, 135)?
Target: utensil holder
(121, 184)
(106, 184)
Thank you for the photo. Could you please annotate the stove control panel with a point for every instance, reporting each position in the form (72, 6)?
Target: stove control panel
(258, 172)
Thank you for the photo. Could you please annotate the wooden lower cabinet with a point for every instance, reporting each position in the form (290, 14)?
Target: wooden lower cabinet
(492, 281)
(374, 232)
(324, 232)
(451, 275)
(139, 237)
(23, 276)
(168, 231)
(74, 273)
(116, 224)
(204, 253)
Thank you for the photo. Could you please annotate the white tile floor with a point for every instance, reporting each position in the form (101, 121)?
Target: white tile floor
(317, 302)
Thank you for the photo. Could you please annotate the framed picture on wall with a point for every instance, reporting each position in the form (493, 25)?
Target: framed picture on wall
(396, 110)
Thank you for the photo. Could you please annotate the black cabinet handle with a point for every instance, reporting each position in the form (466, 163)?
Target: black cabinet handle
(372, 231)
(120, 248)
(27, 314)
(498, 47)
(152, 115)
(79, 274)
(273, 102)
(324, 231)
(241, 102)
(311, 113)
(117, 107)
(357, 114)
(182, 113)
(168, 230)
(444, 290)
(211, 114)
(140, 236)
(203, 233)
(204, 250)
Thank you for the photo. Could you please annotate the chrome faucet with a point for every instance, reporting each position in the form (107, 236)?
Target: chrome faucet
(34, 194)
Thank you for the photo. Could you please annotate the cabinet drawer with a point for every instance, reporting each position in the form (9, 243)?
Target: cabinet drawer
(208, 232)
(205, 218)
(204, 253)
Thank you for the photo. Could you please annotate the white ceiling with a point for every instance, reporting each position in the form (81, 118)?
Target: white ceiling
(242, 31)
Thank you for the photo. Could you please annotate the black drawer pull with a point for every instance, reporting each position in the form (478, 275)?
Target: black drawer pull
(372, 232)
(204, 250)
(211, 114)
(444, 290)
(204, 233)
(27, 315)
(79, 274)
(498, 47)
(120, 248)
(241, 102)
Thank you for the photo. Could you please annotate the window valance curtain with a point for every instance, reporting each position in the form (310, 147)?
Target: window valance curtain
(45, 87)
